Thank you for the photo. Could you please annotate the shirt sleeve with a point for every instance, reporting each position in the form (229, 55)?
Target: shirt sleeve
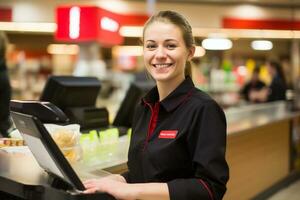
(206, 142)
(126, 176)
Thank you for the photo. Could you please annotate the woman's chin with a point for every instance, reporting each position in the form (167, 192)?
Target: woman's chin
(161, 77)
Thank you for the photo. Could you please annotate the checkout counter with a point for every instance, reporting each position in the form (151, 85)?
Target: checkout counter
(259, 149)
(41, 170)
(22, 178)
(36, 186)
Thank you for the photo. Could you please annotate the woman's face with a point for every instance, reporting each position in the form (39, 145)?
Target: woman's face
(270, 70)
(165, 52)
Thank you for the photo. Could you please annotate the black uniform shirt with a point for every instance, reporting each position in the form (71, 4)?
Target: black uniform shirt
(180, 141)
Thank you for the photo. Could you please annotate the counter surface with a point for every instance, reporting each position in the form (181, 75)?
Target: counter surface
(240, 119)
(21, 176)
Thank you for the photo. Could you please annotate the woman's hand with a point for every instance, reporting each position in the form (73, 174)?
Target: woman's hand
(116, 177)
(114, 185)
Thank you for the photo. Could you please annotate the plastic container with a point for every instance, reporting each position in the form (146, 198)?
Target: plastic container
(90, 145)
(67, 138)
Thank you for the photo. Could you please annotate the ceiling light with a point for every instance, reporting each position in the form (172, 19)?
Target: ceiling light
(66, 49)
(261, 45)
(131, 31)
(217, 44)
(38, 27)
(127, 50)
(199, 52)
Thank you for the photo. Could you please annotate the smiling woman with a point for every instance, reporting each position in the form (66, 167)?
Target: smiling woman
(178, 142)
(168, 48)
(165, 54)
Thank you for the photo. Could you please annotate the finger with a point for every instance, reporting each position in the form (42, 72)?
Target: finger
(89, 185)
(89, 181)
(89, 191)
(94, 185)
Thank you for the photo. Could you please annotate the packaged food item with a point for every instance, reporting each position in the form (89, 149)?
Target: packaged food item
(64, 137)
(67, 139)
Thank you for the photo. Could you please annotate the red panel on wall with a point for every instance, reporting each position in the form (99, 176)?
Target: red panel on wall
(133, 19)
(5, 14)
(276, 24)
(88, 23)
(84, 24)
(109, 27)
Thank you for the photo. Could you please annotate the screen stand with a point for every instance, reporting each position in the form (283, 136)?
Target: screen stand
(58, 183)
(88, 117)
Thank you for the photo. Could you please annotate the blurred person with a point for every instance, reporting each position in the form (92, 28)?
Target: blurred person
(178, 141)
(277, 89)
(254, 85)
(5, 88)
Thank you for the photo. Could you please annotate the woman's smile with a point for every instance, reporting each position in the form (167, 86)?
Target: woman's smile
(162, 65)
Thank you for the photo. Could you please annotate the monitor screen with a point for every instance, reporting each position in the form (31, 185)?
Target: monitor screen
(69, 91)
(125, 113)
(45, 150)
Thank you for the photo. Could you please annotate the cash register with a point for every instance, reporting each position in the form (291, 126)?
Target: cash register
(59, 180)
(76, 97)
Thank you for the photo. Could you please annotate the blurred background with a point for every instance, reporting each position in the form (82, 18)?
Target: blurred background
(38, 47)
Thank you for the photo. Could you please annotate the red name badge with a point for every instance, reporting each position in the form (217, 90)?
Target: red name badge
(169, 134)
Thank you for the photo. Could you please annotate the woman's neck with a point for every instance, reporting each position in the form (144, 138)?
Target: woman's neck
(166, 87)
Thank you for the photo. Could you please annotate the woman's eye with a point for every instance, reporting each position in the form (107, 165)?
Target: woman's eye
(150, 46)
(171, 46)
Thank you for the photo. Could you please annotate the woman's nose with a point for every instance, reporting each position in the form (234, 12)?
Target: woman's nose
(161, 53)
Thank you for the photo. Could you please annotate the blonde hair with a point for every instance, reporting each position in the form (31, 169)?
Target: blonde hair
(179, 21)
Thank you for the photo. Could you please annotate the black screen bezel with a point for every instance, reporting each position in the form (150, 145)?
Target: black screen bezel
(37, 129)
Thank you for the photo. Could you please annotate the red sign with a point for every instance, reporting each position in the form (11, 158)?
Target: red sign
(85, 24)
(5, 14)
(133, 19)
(88, 23)
(275, 24)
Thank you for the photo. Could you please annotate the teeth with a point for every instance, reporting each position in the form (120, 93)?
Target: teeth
(162, 65)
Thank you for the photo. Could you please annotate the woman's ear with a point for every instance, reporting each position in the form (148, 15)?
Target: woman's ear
(191, 53)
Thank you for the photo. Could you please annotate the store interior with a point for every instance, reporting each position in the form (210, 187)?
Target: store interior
(36, 51)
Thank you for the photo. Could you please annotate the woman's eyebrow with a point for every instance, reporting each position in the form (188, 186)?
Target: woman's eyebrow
(150, 41)
(171, 40)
